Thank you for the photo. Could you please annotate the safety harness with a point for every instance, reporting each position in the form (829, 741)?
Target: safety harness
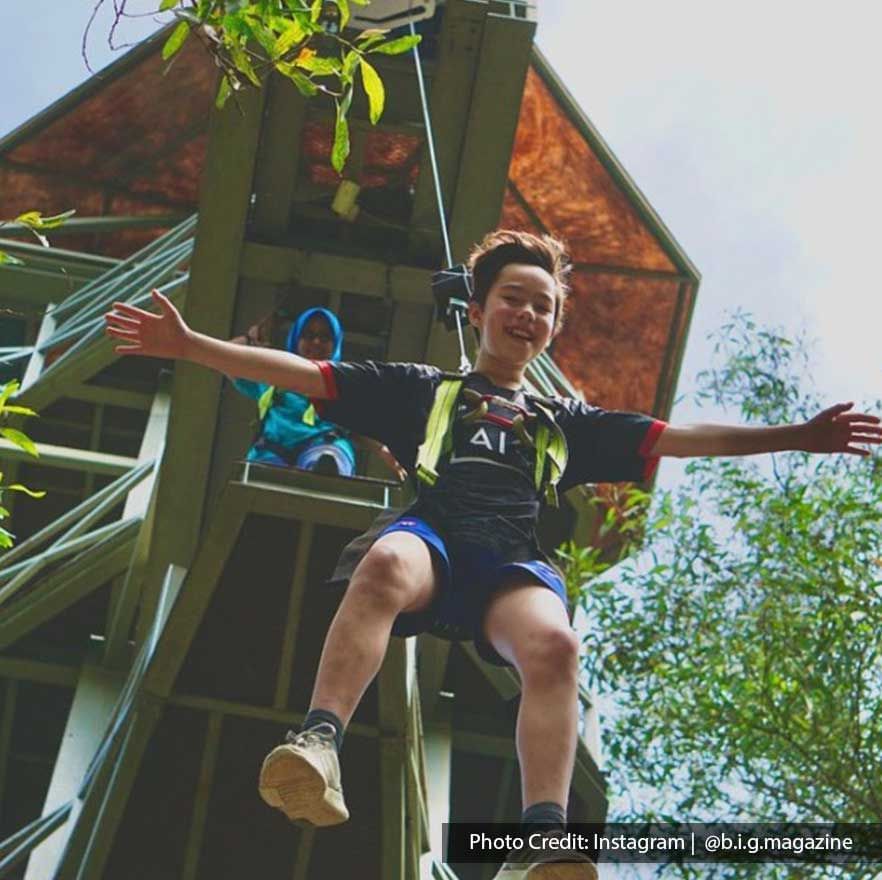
(549, 442)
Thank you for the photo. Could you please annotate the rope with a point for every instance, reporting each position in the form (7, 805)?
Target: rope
(464, 363)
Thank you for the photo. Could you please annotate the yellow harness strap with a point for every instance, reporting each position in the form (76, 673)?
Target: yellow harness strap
(550, 442)
(437, 430)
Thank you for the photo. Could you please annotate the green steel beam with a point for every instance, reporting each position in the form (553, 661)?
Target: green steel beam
(140, 501)
(438, 742)
(10, 694)
(66, 586)
(293, 619)
(278, 264)
(203, 796)
(110, 223)
(97, 823)
(224, 203)
(69, 458)
(94, 698)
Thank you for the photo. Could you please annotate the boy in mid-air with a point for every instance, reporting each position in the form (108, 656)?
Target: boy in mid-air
(464, 561)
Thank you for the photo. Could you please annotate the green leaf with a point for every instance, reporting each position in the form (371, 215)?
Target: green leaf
(223, 93)
(31, 219)
(6, 539)
(9, 260)
(176, 40)
(7, 390)
(21, 440)
(17, 487)
(340, 151)
(343, 6)
(243, 63)
(19, 410)
(315, 10)
(304, 84)
(167, 4)
(320, 65)
(374, 89)
(397, 47)
(370, 37)
(350, 62)
(290, 37)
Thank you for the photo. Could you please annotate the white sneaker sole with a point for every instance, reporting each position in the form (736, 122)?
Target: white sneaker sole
(291, 784)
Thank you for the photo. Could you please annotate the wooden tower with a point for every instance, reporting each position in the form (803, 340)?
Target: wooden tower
(163, 611)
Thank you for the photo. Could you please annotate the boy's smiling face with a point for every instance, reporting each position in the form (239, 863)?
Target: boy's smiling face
(517, 319)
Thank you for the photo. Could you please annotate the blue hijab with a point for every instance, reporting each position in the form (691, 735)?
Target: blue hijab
(300, 323)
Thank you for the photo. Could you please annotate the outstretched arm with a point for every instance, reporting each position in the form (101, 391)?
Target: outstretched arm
(166, 335)
(832, 430)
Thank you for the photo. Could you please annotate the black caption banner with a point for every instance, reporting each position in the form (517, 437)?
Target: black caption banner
(672, 843)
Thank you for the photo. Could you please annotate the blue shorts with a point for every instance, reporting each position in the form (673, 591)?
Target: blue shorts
(471, 575)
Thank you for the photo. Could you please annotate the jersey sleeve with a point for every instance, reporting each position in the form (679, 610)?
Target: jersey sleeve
(608, 446)
(389, 402)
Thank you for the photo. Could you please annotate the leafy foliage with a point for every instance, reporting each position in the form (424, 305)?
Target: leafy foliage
(743, 645)
(37, 224)
(21, 440)
(302, 41)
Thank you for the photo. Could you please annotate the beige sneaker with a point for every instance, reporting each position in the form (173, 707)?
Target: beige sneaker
(302, 778)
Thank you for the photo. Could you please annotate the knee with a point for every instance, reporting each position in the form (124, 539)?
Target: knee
(382, 578)
(550, 657)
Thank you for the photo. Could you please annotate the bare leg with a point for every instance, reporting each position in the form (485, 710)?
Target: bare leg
(528, 625)
(396, 575)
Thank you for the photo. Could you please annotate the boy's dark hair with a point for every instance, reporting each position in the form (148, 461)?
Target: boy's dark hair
(498, 249)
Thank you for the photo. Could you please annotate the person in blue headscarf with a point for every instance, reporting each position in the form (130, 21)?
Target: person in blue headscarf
(291, 431)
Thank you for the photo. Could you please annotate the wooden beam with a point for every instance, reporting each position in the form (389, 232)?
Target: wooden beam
(278, 264)
(293, 619)
(121, 397)
(203, 796)
(449, 99)
(432, 666)
(214, 550)
(278, 161)
(37, 671)
(224, 204)
(393, 719)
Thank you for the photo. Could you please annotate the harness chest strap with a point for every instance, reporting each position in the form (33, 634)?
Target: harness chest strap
(551, 445)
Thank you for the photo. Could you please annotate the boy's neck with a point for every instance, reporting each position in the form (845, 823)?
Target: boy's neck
(502, 375)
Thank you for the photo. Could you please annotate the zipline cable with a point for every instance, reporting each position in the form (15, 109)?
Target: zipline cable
(465, 365)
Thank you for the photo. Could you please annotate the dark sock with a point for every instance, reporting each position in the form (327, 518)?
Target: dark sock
(546, 814)
(322, 716)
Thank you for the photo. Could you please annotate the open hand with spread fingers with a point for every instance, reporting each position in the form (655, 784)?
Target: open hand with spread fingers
(837, 430)
(164, 335)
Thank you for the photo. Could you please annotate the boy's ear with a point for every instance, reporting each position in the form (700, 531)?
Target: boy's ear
(475, 313)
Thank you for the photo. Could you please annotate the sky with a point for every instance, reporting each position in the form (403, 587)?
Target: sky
(750, 129)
